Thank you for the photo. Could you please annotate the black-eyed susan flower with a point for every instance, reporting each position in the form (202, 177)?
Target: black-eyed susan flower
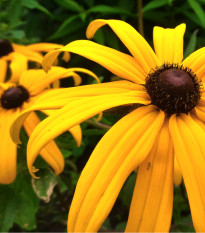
(168, 122)
(16, 97)
(17, 56)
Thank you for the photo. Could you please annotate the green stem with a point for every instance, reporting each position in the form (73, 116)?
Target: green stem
(140, 17)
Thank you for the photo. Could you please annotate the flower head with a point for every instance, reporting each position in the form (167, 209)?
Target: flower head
(17, 97)
(17, 57)
(168, 123)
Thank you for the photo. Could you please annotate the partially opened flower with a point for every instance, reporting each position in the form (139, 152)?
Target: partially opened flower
(16, 97)
(168, 122)
(17, 56)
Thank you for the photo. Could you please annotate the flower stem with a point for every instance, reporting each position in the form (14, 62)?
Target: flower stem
(98, 124)
(140, 17)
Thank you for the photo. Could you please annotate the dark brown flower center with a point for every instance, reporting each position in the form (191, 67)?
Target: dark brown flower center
(14, 97)
(173, 89)
(5, 47)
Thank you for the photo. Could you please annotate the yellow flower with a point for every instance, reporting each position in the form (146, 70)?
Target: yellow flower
(168, 123)
(19, 55)
(18, 97)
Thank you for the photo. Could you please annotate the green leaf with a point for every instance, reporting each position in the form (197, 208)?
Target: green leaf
(198, 11)
(70, 5)
(44, 186)
(108, 10)
(19, 204)
(19, 34)
(65, 28)
(8, 208)
(155, 4)
(33, 4)
(192, 44)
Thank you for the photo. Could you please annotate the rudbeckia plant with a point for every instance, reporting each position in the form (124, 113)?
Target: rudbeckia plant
(166, 123)
(16, 97)
(16, 57)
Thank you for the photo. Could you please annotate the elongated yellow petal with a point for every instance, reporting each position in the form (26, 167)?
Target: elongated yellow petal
(195, 61)
(47, 47)
(18, 65)
(37, 80)
(177, 173)
(3, 68)
(57, 98)
(72, 114)
(137, 45)
(168, 43)
(152, 202)
(50, 153)
(118, 63)
(64, 94)
(8, 148)
(31, 55)
(118, 153)
(43, 47)
(188, 138)
(75, 131)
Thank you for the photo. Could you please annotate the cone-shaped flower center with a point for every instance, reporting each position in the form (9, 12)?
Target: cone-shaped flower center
(5, 47)
(173, 89)
(14, 97)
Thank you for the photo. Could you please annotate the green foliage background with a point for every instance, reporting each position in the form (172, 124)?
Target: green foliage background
(26, 204)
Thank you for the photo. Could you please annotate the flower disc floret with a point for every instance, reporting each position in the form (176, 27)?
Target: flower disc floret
(5, 47)
(14, 97)
(173, 88)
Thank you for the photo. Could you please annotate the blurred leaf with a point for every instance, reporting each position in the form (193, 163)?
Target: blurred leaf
(198, 11)
(70, 5)
(19, 34)
(108, 10)
(65, 28)
(155, 4)
(44, 186)
(33, 4)
(192, 44)
(121, 226)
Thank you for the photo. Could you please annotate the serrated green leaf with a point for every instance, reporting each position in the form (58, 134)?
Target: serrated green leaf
(44, 186)
(198, 11)
(70, 5)
(154, 4)
(192, 44)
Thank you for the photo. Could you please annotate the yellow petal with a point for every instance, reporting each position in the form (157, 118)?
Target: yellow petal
(152, 201)
(118, 153)
(18, 66)
(118, 63)
(43, 47)
(31, 55)
(64, 94)
(195, 61)
(50, 153)
(188, 138)
(177, 173)
(3, 68)
(72, 114)
(75, 131)
(137, 45)
(8, 152)
(168, 43)
(37, 80)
